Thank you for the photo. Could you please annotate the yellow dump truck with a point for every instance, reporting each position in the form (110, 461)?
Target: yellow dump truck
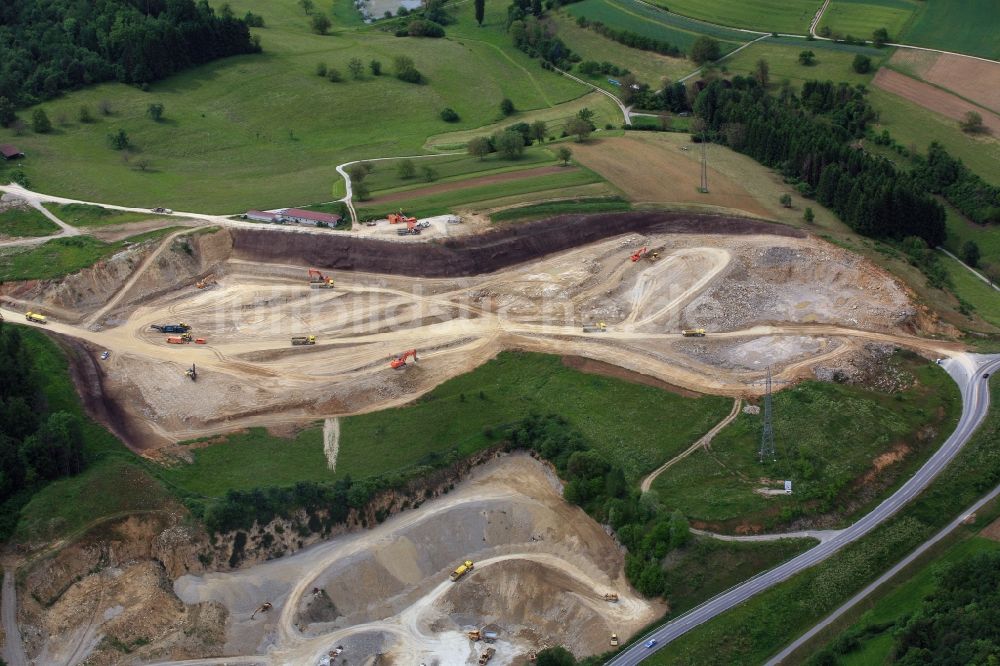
(599, 327)
(36, 318)
(463, 569)
(304, 340)
(693, 332)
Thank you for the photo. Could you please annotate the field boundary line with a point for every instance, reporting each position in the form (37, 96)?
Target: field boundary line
(971, 269)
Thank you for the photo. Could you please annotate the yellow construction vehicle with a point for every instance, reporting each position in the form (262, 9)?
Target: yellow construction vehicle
(192, 374)
(36, 318)
(205, 281)
(463, 569)
(474, 634)
(614, 640)
(693, 332)
(304, 340)
(263, 608)
(610, 596)
(599, 327)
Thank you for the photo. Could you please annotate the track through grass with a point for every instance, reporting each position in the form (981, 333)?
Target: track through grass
(26, 222)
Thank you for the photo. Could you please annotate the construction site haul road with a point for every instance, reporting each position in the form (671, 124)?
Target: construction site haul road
(352, 326)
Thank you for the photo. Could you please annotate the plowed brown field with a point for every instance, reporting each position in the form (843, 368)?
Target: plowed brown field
(974, 80)
(932, 98)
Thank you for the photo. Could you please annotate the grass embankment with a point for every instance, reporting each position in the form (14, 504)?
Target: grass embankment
(872, 633)
(113, 481)
(577, 206)
(829, 438)
(26, 222)
(792, 16)
(62, 256)
(651, 22)
(859, 18)
(569, 182)
(85, 215)
(636, 426)
(970, 26)
(264, 131)
(760, 627)
(984, 298)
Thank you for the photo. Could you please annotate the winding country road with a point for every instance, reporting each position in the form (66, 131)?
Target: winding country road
(967, 370)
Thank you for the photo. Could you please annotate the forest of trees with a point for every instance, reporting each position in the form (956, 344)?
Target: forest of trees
(600, 488)
(56, 45)
(631, 39)
(943, 174)
(810, 140)
(36, 445)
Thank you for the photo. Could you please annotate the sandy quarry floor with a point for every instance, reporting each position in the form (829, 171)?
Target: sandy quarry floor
(541, 567)
(764, 299)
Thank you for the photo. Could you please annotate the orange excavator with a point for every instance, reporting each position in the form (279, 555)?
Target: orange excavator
(395, 218)
(319, 281)
(639, 254)
(400, 361)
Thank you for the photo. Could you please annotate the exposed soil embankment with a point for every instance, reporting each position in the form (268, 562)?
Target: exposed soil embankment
(483, 253)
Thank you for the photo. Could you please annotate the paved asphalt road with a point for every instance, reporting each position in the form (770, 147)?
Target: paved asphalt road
(967, 370)
(13, 651)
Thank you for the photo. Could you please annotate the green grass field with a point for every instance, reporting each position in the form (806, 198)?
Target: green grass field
(26, 222)
(262, 131)
(960, 230)
(644, 20)
(827, 436)
(783, 57)
(637, 426)
(536, 188)
(969, 26)
(707, 566)
(649, 67)
(974, 291)
(913, 125)
(575, 206)
(792, 16)
(384, 178)
(85, 215)
(859, 18)
(61, 256)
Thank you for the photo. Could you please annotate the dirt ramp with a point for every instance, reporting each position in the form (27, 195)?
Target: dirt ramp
(482, 253)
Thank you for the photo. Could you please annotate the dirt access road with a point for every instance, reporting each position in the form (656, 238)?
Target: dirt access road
(387, 589)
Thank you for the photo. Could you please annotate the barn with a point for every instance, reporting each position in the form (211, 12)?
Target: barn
(309, 217)
(10, 152)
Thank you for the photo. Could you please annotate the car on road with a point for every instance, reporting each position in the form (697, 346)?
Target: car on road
(105, 355)
(650, 643)
(986, 376)
(160, 209)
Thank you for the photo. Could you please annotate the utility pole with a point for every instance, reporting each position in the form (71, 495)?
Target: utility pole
(704, 166)
(767, 435)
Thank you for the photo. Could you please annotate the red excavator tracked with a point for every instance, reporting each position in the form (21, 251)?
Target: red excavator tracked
(400, 361)
(395, 218)
(319, 281)
(639, 254)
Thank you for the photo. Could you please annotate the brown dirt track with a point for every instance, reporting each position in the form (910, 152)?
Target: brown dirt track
(931, 98)
(483, 253)
(467, 183)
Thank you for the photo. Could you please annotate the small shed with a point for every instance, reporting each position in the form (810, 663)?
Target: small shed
(261, 216)
(10, 152)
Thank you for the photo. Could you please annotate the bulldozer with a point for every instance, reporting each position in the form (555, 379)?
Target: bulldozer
(319, 281)
(263, 608)
(599, 327)
(610, 596)
(192, 373)
(400, 361)
(693, 332)
(303, 340)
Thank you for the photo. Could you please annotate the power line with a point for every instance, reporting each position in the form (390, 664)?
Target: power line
(704, 166)
(766, 451)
